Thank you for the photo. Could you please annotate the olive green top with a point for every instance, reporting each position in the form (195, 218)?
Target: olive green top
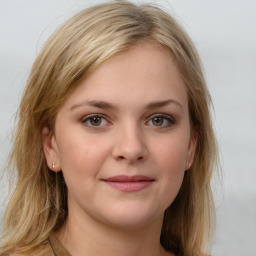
(51, 247)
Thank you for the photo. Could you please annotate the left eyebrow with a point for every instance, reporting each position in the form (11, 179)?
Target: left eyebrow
(106, 105)
(157, 104)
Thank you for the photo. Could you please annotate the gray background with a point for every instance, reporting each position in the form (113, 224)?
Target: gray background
(225, 35)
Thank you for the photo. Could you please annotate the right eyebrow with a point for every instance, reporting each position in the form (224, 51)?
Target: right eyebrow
(95, 103)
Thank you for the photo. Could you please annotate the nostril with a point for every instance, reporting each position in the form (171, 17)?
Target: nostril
(122, 158)
(129, 150)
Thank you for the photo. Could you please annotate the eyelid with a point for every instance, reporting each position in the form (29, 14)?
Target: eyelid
(85, 118)
(92, 115)
(168, 117)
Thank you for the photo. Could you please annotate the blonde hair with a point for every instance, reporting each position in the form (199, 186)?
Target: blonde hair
(38, 204)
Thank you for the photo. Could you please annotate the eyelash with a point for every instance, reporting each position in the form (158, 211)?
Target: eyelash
(89, 117)
(171, 121)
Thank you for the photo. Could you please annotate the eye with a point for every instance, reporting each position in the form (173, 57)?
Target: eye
(161, 120)
(95, 120)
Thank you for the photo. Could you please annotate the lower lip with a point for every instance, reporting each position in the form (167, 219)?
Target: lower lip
(130, 186)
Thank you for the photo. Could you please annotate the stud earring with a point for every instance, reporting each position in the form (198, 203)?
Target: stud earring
(189, 165)
(53, 165)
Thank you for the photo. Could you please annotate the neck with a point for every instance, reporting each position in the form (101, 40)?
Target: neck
(85, 236)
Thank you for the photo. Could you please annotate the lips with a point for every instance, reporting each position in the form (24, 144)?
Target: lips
(129, 183)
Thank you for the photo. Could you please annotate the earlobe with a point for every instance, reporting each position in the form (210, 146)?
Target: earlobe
(50, 150)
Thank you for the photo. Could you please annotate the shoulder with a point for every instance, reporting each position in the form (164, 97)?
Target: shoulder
(49, 247)
(43, 249)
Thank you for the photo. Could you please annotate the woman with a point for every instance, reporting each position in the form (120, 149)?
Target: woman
(114, 148)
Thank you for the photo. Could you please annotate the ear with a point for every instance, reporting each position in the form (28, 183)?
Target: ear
(50, 150)
(191, 149)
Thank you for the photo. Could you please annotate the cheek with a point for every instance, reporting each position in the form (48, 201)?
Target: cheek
(172, 153)
(81, 157)
(171, 159)
(172, 164)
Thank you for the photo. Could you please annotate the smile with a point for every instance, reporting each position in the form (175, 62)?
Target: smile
(129, 183)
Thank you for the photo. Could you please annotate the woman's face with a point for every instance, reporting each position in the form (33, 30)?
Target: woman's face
(123, 139)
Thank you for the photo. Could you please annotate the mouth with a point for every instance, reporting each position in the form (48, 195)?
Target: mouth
(129, 183)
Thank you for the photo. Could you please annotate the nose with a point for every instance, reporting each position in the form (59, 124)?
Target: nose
(130, 145)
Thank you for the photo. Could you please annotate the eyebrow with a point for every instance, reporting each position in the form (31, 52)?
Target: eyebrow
(105, 105)
(157, 104)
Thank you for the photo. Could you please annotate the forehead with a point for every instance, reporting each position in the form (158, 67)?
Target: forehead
(142, 74)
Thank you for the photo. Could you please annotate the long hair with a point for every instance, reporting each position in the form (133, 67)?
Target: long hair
(38, 203)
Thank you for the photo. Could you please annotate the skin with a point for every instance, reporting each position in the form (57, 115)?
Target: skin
(130, 139)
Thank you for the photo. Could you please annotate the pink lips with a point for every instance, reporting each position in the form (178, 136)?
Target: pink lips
(129, 183)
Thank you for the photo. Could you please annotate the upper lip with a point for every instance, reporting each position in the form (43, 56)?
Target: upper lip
(126, 178)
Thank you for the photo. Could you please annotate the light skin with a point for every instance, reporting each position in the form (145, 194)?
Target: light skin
(130, 117)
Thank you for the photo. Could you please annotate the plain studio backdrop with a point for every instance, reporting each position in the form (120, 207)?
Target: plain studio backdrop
(225, 35)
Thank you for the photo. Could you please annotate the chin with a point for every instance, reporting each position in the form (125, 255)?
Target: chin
(132, 217)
